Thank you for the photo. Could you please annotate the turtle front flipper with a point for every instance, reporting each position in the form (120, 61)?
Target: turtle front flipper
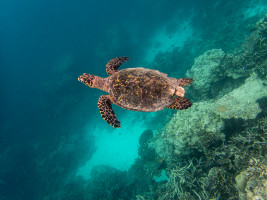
(106, 111)
(114, 64)
(180, 103)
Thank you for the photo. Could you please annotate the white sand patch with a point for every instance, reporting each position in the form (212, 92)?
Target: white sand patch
(117, 148)
(169, 37)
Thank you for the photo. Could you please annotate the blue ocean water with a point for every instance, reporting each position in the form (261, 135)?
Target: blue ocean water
(52, 137)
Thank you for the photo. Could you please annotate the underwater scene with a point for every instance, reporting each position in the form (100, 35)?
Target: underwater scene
(176, 107)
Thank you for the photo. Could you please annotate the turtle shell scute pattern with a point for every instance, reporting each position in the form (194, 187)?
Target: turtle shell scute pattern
(140, 89)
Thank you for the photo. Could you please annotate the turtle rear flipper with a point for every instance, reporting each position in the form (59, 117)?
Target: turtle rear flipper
(184, 81)
(106, 111)
(180, 103)
(114, 64)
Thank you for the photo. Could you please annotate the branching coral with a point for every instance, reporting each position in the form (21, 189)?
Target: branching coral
(179, 178)
(211, 174)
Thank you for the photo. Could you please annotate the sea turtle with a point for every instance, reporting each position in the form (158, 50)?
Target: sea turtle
(137, 89)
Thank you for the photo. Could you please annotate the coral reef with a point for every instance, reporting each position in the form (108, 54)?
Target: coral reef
(205, 120)
(185, 129)
(216, 65)
(226, 170)
(217, 148)
(242, 102)
(252, 182)
(252, 55)
(149, 163)
(108, 183)
(205, 72)
(145, 137)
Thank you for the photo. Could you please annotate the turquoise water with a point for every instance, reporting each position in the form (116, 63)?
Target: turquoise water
(53, 142)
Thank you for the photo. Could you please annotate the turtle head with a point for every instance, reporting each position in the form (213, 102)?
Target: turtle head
(87, 79)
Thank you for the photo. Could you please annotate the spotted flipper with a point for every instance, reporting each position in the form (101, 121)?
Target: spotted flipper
(106, 111)
(114, 64)
(180, 103)
(184, 81)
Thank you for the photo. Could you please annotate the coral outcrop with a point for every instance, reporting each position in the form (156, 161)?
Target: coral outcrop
(215, 68)
(205, 120)
(206, 71)
(186, 128)
(242, 102)
(252, 182)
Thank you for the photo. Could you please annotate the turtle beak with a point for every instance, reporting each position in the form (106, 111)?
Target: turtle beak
(81, 78)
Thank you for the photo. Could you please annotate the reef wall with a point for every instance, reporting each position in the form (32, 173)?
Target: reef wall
(217, 148)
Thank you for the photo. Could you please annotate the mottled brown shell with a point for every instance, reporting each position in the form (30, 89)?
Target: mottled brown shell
(140, 89)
